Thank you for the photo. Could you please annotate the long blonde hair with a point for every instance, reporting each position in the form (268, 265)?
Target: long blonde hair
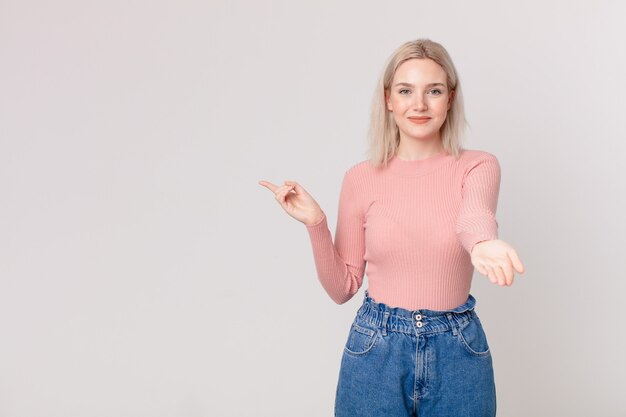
(383, 134)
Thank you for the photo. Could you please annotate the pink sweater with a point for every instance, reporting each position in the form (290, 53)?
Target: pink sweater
(414, 224)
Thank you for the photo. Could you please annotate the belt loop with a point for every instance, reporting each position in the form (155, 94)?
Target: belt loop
(452, 323)
(384, 323)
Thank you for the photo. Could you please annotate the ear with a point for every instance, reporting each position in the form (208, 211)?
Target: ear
(387, 102)
(450, 99)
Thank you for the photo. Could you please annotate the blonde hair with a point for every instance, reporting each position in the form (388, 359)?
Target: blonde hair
(383, 134)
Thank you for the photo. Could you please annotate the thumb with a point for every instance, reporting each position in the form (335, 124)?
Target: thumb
(297, 187)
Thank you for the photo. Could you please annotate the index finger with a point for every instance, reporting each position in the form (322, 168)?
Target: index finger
(269, 185)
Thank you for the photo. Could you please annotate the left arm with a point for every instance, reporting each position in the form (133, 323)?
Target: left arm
(477, 227)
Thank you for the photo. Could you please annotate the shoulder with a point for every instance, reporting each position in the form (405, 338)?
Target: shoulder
(475, 155)
(357, 179)
(470, 159)
(361, 169)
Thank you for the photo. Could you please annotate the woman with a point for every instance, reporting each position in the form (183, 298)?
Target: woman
(420, 214)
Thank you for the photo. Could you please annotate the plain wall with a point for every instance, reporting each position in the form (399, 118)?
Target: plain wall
(145, 272)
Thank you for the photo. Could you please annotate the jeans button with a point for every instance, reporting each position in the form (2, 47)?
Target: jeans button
(419, 324)
(418, 317)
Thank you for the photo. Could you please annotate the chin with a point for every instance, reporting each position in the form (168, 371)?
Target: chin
(417, 132)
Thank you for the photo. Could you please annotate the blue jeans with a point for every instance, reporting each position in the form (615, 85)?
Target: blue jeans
(421, 363)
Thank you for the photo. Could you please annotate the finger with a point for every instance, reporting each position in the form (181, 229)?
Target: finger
(283, 188)
(269, 186)
(280, 194)
(489, 273)
(297, 187)
(500, 274)
(505, 278)
(288, 188)
(508, 273)
(515, 260)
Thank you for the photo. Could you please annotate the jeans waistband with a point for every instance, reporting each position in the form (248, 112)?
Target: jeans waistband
(421, 321)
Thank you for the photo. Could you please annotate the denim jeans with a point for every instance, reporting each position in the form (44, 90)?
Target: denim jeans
(420, 363)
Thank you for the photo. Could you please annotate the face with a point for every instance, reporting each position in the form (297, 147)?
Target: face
(419, 90)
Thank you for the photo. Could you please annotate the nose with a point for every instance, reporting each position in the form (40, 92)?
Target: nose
(419, 104)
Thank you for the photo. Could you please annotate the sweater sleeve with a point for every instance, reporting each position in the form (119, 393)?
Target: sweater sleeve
(476, 221)
(341, 266)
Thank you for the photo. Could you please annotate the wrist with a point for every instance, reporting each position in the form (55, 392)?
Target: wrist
(317, 220)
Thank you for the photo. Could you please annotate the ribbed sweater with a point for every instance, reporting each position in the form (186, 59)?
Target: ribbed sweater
(411, 227)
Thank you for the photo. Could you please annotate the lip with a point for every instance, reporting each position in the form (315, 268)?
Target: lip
(419, 120)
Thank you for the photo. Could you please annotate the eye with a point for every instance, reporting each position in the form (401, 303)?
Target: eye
(402, 90)
(437, 90)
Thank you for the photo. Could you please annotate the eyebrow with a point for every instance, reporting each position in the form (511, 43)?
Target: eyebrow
(411, 85)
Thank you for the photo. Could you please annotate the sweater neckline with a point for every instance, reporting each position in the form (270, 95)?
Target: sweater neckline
(402, 167)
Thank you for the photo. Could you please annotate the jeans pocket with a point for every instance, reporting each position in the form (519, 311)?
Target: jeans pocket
(473, 337)
(361, 339)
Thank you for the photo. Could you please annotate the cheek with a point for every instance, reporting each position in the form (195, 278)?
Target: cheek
(398, 105)
(441, 106)
(441, 110)
(399, 109)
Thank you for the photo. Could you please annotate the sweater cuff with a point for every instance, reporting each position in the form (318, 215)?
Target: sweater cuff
(319, 228)
(486, 229)
(477, 241)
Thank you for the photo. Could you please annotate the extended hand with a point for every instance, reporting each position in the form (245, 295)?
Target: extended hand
(497, 260)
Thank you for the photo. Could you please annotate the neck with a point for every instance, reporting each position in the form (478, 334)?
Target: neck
(413, 151)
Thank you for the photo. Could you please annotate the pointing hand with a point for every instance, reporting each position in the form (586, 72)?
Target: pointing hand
(296, 202)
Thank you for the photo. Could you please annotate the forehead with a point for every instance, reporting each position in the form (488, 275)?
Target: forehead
(419, 71)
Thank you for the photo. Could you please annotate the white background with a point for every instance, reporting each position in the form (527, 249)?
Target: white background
(145, 272)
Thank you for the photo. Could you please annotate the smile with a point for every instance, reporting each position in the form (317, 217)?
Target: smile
(419, 121)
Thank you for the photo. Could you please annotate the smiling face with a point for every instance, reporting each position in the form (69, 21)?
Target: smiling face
(419, 90)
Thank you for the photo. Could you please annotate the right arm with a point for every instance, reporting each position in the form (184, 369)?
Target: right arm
(340, 265)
